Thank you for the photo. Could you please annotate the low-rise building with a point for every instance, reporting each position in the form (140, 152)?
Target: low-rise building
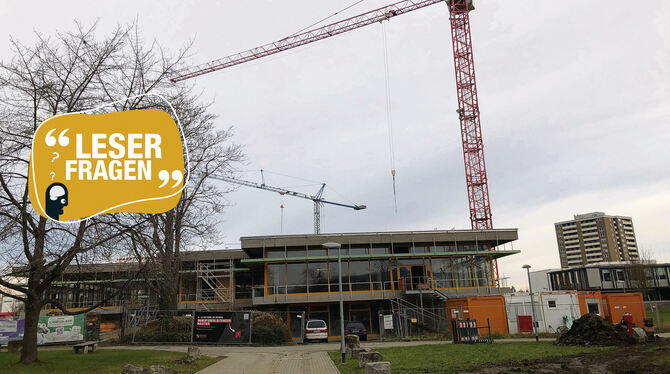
(650, 279)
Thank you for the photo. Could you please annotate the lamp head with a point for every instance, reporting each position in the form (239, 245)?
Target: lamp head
(526, 266)
(331, 245)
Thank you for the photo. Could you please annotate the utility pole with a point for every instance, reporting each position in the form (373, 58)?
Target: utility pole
(532, 304)
(333, 245)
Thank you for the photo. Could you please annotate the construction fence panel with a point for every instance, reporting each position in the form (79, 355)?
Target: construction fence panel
(148, 325)
(659, 313)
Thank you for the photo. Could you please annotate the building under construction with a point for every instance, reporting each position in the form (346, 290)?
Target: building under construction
(411, 273)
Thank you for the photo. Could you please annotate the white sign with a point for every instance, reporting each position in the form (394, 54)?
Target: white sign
(388, 322)
(60, 321)
(8, 326)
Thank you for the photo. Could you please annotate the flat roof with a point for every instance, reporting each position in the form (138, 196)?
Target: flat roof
(253, 245)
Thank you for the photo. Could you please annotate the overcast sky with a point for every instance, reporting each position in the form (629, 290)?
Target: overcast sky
(574, 98)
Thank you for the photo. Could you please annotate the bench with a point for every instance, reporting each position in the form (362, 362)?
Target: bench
(86, 346)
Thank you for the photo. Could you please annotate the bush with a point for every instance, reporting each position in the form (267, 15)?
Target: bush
(165, 329)
(269, 329)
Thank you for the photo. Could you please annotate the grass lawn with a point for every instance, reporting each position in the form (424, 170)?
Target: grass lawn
(448, 358)
(101, 362)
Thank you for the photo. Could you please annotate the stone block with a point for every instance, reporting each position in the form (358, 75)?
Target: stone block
(193, 353)
(365, 357)
(639, 334)
(355, 353)
(157, 369)
(352, 341)
(382, 367)
(132, 369)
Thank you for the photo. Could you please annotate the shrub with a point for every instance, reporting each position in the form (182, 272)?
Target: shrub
(269, 329)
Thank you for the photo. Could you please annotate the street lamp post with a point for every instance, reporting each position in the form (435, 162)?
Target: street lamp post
(333, 245)
(532, 304)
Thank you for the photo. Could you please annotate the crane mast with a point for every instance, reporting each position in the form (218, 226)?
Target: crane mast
(468, 115)
(316, 198)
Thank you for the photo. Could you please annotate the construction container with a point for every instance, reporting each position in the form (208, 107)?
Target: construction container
(616, 304)
(480, 308)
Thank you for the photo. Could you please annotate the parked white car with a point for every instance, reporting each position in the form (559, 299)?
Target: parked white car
(316, 330)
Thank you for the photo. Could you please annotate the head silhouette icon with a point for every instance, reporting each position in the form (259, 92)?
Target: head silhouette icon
(56, 197)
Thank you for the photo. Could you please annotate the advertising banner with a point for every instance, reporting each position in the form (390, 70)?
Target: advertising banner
(222, 327)
(60, 329)
(11, 330)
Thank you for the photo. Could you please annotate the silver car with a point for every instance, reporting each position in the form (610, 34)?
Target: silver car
(316, 330)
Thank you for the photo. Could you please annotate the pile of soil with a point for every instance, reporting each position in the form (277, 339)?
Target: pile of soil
(591, 329)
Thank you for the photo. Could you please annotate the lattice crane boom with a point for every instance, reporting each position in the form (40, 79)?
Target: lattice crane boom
(316, 198)
(306, 37)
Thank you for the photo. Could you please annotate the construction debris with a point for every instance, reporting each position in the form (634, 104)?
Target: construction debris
(591, 329)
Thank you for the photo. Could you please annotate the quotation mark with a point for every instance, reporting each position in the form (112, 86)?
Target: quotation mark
(164, 177)
(62, 139)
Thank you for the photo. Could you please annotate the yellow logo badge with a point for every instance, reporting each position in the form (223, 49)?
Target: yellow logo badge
(82, 165)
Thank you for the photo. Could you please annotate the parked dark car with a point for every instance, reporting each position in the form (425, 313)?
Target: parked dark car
(356, 328)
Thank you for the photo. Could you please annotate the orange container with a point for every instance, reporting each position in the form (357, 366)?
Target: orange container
(480, 308)
(616, 304)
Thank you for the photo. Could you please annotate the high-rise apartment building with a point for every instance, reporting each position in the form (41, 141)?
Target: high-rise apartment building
(596, 237)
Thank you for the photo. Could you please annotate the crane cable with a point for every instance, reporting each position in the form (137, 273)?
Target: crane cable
(389, 118)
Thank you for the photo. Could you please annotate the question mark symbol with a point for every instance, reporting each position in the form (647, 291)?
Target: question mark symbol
(62, 139)
(56, 155)
(53, 174)
(164, 177)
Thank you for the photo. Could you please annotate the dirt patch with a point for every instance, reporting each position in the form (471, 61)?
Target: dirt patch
(591, 329)
(652, 358)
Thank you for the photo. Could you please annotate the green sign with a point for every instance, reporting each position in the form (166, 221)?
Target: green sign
(60, 329)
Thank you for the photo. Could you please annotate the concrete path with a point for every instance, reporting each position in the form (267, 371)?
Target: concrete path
(273, 363)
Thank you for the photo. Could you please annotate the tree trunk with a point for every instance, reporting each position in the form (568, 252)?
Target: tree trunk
(168, 286)
(29, 348)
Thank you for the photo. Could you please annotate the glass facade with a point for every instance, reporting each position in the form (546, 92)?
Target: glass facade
(379, 275)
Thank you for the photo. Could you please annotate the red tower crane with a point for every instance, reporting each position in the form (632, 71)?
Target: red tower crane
(466, 87)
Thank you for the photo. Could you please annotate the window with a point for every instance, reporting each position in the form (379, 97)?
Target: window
(378, 251)
(380, 274)
(332, 274)
(314, 252)
(316, 324)
(606, 276)
(276, 279)
(274, 253)
(421, 249)
(296, 277)
(442, 273)
(551, 303)
(296, 252)
(359, 275)
(318, 276)
(483, 271)
(660, 274)
(620, 276)
(463, 272)
(358, 251)
(593, 306)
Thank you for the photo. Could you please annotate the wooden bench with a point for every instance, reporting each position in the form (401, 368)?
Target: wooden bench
(86, 346)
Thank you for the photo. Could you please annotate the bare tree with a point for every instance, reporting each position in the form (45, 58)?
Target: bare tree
(640, 273)
(65, 73)
(194, 221)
